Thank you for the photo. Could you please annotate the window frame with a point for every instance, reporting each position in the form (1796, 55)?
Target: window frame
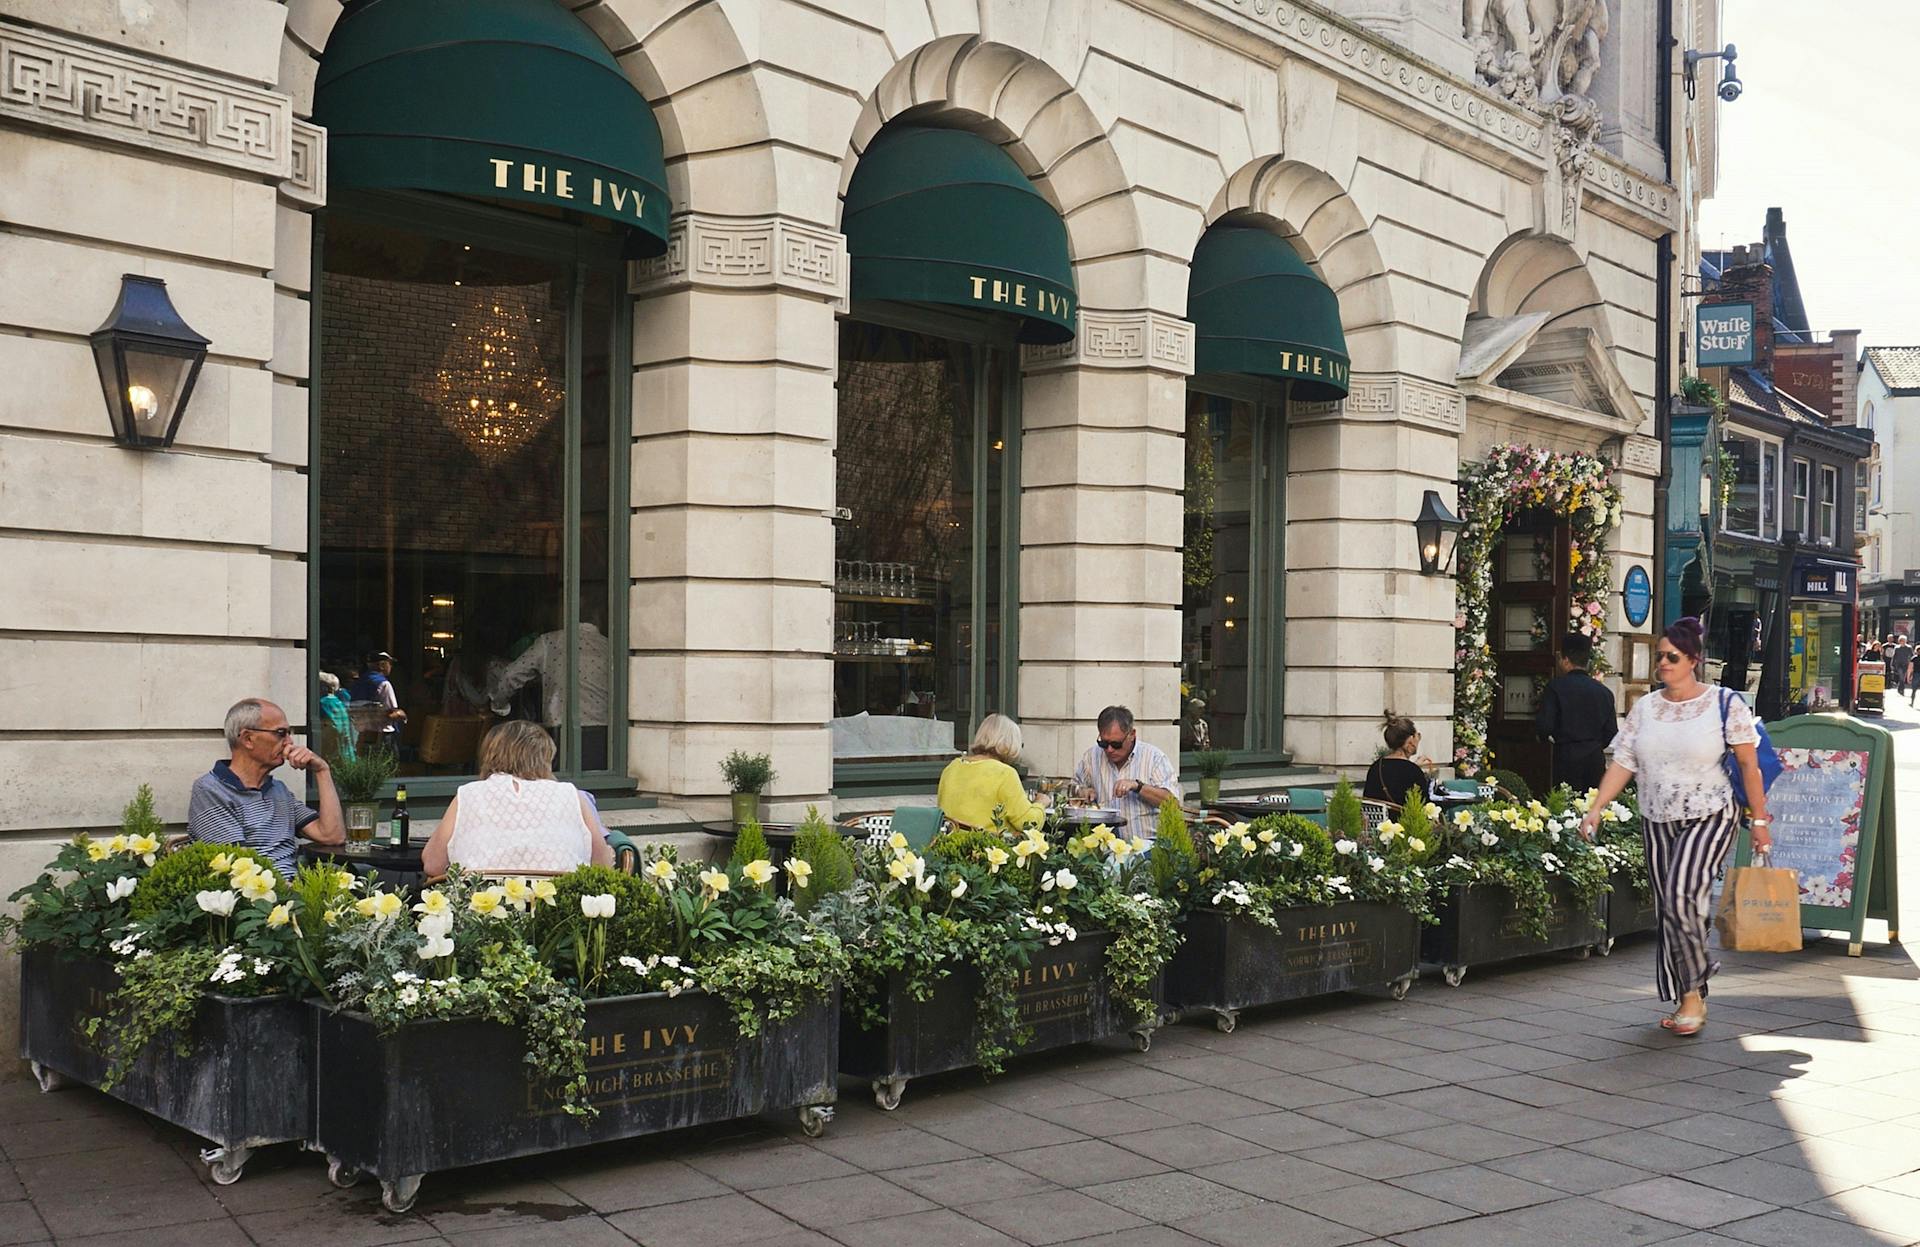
(1766, 502)
(1802, 487)
(584, 245)
(991, 332)
(1266, 599)
(1829, 504)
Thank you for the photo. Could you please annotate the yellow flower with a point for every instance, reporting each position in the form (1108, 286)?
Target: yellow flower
(661, 871)
(758, 872)
(331, 916)
(387, 904)
(1034, 844)
(715, 881)
(899, 868)
(486, 904)
(140, 846)
(544, 892)
(1573, 558)
(518, 893)
(800, 870)
(1219, 839)
(343, 879)
(118, 844)
(220, 864)
(1268, 836)
(1120, 849)
(97, 852)
(433, 901)
(896, 842)
(244, 868)
(257, 886)
(281, 916)
(1140, 844)
(996, 858)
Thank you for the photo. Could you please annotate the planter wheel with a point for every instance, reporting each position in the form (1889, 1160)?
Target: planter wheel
(887, 1091)
(814, 1118)
(225, 1164)
(1399, 987)
(399, 1194)
(1453, 975)
(1604, 948)
(1142, 1038)
(1224, 1020)
(50, 1079)
(342, 1174)
(1583, 952)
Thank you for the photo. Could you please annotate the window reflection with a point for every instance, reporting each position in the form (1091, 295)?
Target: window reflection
(1217, 573)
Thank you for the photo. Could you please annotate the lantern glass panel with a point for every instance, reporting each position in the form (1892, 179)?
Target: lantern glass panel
(156, 381)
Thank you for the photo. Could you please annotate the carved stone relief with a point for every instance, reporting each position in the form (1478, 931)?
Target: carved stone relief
(730, 251)
(1120, 340)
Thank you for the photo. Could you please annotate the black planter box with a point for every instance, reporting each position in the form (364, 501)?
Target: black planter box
(1628, 913)
(1479, 925)
(247, 1082)
(440, 1095)
(1229, 962)
(1063, 996)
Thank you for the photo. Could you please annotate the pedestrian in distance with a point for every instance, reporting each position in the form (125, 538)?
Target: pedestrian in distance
(1673, 742)
(1577, 715)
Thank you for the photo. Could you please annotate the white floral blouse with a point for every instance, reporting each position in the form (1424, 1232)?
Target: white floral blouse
(1674, 750)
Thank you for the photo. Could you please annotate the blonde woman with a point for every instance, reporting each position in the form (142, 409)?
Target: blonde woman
(983, 779)
(517, 816)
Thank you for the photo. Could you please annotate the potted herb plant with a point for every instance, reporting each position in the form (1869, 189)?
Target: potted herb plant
(1212, 764)
(361, 780)
(747, 776)
(1283, 909)
(1518, 879)
(502, 1018)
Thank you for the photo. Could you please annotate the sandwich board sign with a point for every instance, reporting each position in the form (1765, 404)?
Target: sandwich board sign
(1833, 807)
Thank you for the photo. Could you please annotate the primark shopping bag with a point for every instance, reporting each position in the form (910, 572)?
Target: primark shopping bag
(1760, 909)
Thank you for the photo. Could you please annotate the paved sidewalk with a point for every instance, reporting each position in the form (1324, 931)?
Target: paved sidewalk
(1536, 1104)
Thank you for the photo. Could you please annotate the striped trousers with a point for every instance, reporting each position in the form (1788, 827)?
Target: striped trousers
(1682, 858)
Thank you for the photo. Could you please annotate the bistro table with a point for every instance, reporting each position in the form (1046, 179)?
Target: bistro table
(1093, 815)
(1251, 805)
(395, 866)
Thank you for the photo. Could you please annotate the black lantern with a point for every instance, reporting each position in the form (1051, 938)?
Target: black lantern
(148, 361)
(1438, 531)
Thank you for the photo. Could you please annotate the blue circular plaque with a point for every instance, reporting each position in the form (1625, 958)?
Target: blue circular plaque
(1638, 595)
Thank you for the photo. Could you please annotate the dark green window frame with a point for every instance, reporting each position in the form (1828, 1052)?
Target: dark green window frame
(584, 246)
(1266, 600)
(995, 333)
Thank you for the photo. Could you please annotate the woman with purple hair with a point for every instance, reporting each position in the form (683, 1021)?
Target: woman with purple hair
(1673, 741)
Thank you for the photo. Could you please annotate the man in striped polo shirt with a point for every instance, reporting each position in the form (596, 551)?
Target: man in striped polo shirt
(240, 802)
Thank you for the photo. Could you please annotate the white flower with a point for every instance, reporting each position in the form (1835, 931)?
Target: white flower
(1297, 850)
(1549, 862)
(1416, 844)
(436, 946)
(120, 889)
(1489, 839)
(799, 871)
(262, 967)
(433, 926)
(221, 902)
(959, 889)
(404, 977)
(923, 884)
(670, 962)
(1338, 884)
(661, 871)
(1376, 864)
(409, 995)
(600, 906)
(1344, 848)
(1063, 879)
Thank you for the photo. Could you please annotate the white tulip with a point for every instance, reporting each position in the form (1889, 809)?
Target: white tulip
(600, 906)
(1344, 848)
(436, 946)
(959, 889)
(434, 926)
(220, 902)
(120, 889)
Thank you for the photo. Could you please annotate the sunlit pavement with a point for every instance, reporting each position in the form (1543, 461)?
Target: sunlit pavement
(1535, 1104)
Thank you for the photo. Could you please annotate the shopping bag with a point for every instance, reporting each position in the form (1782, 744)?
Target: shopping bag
(1760, 909)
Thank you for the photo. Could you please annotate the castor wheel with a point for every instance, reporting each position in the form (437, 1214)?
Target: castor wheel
(1454, 975)
(342, 1174)
(887, 1092)
(50, 1079)
(226, 1164)
(1399, 987)
(814, 1118)
(1142, 1040)
(399, 1194)
(1583, 952)
(1224, 1020)
(1604, 948)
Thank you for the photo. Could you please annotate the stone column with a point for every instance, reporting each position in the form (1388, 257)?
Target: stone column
(730, 622)
(1102, 466)
(1365, 629)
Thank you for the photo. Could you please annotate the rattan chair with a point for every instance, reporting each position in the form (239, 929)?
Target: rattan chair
(875, 827)
(1378, 812)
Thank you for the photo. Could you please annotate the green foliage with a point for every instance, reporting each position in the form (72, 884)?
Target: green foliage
(1317, 857)
(1416, 823)
(965, 845)
(749, 845)
(159, 996)
(1516, 787)
(1173, 855)
(747, 772)
(640, 926)
(1211, 763)
(67, 906)
(1526, 849)
(820, 845)
(165, 902)
(138, 819)
(1345, 819)
(365, 776)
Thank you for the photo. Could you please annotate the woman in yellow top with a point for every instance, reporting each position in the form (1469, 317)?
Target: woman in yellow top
(983, 779)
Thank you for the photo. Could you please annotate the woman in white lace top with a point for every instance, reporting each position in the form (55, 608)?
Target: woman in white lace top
(1673, 740)
(517, 816)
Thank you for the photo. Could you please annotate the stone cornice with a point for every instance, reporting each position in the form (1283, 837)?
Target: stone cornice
(1631, 189)
(1119, 340)
(746, 253)
(115, 96)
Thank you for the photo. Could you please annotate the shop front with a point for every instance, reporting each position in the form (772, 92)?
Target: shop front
(1820, 634)
(1890, 609)
(1744, 610)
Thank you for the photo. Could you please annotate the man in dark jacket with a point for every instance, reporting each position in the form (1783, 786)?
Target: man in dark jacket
(1576, 714)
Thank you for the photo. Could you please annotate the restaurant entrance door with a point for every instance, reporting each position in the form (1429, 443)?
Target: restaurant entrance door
(1530, 604)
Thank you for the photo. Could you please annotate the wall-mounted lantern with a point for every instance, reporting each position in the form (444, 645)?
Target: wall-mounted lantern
(1438, 532)
(148, 360)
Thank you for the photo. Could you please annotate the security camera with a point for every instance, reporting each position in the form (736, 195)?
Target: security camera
(1730, 86)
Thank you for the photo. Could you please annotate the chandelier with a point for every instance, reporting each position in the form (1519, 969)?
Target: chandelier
(492, 387)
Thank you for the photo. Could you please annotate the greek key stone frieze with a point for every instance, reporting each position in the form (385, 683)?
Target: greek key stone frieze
(1640, 455)
(1392, 397)
(307, 184)
(746, 252)
(115, 96)
(1120, 340)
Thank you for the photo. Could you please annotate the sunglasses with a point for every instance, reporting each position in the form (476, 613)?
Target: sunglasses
(282, 732)
(1668, 655)
(1110, 744)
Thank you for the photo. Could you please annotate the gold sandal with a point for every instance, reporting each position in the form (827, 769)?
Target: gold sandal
(1685, 1025)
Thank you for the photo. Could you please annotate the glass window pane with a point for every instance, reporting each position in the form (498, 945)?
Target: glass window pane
(1217, 573)
(1743, 492)
(1769, 489)
(440, 497)
(907, 570)
(592, 649)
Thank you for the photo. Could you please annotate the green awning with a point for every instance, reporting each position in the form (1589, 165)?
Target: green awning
(944, 216)
(1257, 308)
(506, 99)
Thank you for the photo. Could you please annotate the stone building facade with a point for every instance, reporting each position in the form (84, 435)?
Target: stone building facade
(1490, 196)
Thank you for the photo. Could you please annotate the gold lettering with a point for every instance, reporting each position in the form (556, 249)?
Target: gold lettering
(563, 183)
(979, 287)
(596, 1046)
(1286, 360)
(1020, 295)
(620, 1041)
(597, 184)
(1317, 361)
(619, 194)
(639, 203)
(999, 291)
(500, 168)
(533, 179)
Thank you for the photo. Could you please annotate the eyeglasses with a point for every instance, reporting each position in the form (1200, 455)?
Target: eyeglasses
(1667, 655)
(282, 732)
(1110, 744)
